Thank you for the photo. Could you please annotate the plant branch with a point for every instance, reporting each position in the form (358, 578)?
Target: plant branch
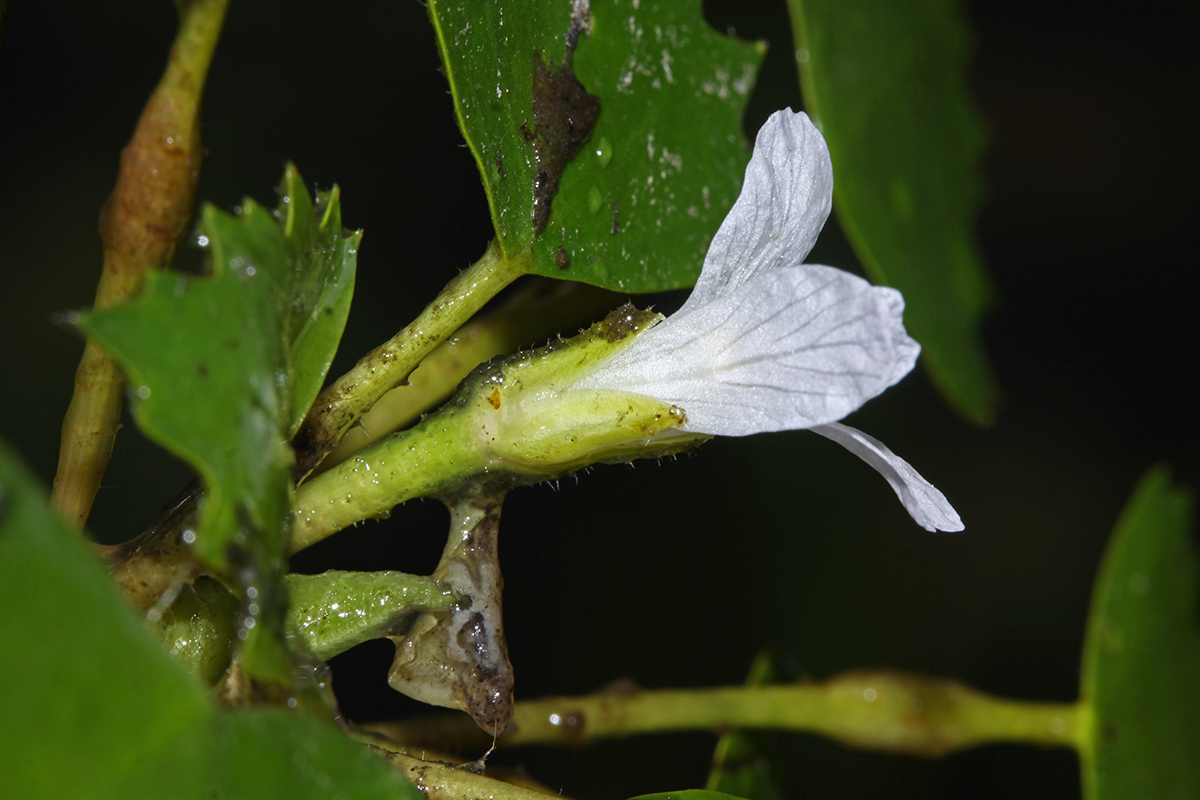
(438, 780)
(141, 224)
(886, 711)
(541, 309)
(341, 405)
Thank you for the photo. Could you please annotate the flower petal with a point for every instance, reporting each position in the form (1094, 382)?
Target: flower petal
(792, 348)
(784, 203)
(924, 502)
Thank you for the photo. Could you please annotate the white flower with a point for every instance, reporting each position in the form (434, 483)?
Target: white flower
(768, 343)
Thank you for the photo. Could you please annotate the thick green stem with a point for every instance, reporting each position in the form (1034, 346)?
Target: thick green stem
(887, 711)
(140, 225)
(541, 309)
(415, 463)
(520, 420)
(441, 781)
(341, 405)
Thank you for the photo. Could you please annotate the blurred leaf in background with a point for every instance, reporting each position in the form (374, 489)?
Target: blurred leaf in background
(96, 709)
(887, 85)
(1142, 653)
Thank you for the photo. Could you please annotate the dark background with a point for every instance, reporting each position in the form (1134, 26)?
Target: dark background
(678, 574)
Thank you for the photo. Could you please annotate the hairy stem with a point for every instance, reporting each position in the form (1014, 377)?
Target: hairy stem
(414, 463)
(438, 780)
(341, 405)
(540, 310)
(141, 224)
(886, 711)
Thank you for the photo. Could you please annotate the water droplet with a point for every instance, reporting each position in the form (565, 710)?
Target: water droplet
(595, 200)
(143, 392)
(604, 151)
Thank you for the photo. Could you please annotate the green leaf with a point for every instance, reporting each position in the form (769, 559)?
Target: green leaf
(632, 202)
(223, 368)
(887, 84)
(268, 753)
(96, 709)
(1142, 653)
(319, 281)
(740, 765)
(336, 610)
(89, 694)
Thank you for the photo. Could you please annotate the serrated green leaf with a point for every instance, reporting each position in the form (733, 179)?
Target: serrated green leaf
(96, 709)
(887, 83)
(636, 207)
(207, 365)
(222, 370)
(1142, 653)
(320, 284)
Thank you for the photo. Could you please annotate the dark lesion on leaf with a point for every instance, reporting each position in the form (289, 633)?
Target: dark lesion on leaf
(564, 114)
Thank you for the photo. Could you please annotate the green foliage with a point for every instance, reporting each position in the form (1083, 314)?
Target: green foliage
(93, 695)
(96, 709)
(636, 205)
(887, 83)
(222, 369)
(741, 766)
(1142, 653)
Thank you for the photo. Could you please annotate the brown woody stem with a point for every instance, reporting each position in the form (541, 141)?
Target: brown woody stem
(141, 224)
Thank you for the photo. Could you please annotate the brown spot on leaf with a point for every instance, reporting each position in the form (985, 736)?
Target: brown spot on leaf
(562, 259)
(494, 399)
(564, 114)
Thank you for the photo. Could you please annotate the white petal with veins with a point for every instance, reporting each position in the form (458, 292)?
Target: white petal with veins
(923, 501)
(768, 343)
(792, 348)
(784, 203)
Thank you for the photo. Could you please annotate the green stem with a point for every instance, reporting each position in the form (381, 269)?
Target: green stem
(141, 223)
(415, 463)
(341, 405)
(538, 311)
(438, 780)
(886, 711)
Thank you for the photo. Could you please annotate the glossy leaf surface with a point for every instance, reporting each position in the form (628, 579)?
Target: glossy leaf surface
(887, 84)
(634, 207)
(1142, 653)
(104, 712)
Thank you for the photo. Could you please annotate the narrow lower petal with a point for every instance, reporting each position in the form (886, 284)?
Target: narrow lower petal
(783, 205)
(923, 501)
(792, 348)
